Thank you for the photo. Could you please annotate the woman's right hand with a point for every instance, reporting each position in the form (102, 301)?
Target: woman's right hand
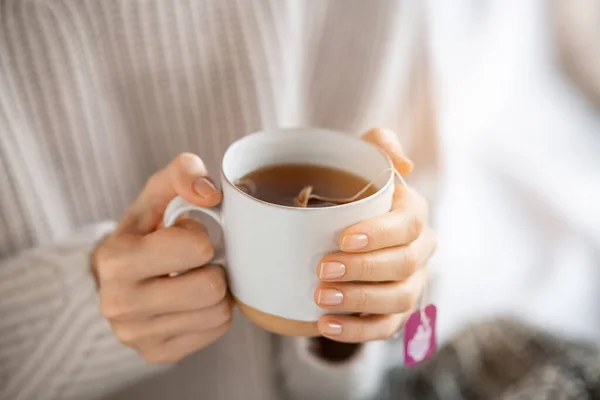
(164, 318)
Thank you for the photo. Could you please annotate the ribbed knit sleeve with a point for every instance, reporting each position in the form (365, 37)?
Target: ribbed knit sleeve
(54, 344)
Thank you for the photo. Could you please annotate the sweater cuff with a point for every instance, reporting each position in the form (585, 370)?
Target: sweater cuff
(306, 371)
(55, 342)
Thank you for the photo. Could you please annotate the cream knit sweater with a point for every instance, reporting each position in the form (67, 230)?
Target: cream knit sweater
(96, 95)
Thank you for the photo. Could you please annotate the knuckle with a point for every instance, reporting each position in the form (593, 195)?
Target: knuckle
(385, 231)
(113, 306)
(108, 265)
(183, 160)
(127, 335)
(187, 164)
(109, 271)
(363, 300)
(223, 313)
(216, 285)
(410, 260)
(367, 269)
(204, 248)
(110, 261)
(415, 225)
(360, 332)
(188, 246)
(193, 246)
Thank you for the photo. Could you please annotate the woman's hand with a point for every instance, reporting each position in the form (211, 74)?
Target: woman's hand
(380, 271)
(164, 319)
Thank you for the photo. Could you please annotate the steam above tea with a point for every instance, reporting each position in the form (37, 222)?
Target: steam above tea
(305, 185)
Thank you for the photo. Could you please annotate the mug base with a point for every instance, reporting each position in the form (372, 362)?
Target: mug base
(279, 325)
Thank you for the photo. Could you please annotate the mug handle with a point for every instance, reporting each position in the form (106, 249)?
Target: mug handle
(178, 206)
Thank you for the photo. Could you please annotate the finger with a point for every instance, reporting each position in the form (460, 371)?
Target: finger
(181, 247)
(177, 324)
(395, 228)
(194, 290)
(185, 176)
(141, 333)
(354, 329)
(380, 298)
(388, 141)
(197, 289)
(393, 264)
(180, 347)
(178, 248)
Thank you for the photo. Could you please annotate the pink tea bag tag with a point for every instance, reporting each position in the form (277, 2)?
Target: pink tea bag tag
(419, 336)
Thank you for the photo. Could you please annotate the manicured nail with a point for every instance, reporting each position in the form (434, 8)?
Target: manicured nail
(205, 188)
(332, 270)
(330, 297)
(354, 242)
(332, 329)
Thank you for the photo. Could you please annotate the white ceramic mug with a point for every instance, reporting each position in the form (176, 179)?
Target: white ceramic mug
(272, 251)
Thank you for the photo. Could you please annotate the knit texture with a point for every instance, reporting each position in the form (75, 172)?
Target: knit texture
(96, 95)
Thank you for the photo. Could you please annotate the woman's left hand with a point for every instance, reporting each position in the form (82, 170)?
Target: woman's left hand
(380, 272)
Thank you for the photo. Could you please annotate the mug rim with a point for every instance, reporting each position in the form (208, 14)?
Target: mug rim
(371, 197)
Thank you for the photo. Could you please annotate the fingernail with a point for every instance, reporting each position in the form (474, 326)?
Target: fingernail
(205, 188)
(405, 167)
(330, 297)
(332, 329)
(332, 270)
(354, 242)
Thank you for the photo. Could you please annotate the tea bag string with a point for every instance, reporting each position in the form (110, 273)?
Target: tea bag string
(422, 302)
(423, 298)
(307, 194)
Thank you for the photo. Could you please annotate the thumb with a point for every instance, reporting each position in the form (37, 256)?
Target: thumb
(388, 141)
(185, 176)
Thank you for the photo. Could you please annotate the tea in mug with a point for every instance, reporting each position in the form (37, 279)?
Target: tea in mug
(305, 185)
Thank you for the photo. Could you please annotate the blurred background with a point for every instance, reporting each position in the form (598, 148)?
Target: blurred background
(519, 209)
(496, 101)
